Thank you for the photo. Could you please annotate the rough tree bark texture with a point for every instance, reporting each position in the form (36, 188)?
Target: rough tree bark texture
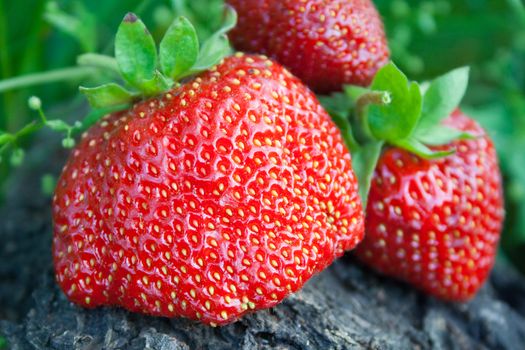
(345, 307)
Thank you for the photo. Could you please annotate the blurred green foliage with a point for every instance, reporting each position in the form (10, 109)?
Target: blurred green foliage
(427, 38)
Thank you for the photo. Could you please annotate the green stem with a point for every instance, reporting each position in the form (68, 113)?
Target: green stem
(360, 122)
(5, 63)
(42, 115)
(64, 74)
(98, 61)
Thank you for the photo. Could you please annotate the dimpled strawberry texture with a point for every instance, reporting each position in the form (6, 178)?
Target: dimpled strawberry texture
(221, 197)
(326, 43)
(436, 224)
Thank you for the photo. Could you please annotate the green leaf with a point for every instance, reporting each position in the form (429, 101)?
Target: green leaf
(135, 51)
(58, 125)
(5, 138)
(179, 48)
(81, 26)
(398, 119)
(217, 46)
(441, 135)
(364, 162)
(107, 95)
(419, 149)
(443, 97)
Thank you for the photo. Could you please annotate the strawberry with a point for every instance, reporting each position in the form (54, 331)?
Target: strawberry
(429, 180)
(436, 224)
(221, 196)
(326, 43)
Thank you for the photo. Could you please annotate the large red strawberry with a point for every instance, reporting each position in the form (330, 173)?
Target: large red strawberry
(435, 207)
(436, 223)
(222, 196)
(326, 43)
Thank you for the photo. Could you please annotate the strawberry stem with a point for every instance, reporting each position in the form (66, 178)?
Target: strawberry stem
(381, 98)
(360, 124)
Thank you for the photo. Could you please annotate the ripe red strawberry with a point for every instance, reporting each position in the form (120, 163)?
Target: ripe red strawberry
(326, 43)
(436, 223)
(220, 197)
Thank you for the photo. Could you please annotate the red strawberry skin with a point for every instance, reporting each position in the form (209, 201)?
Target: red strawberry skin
(436, 224)
(221, 197)
(326, 43)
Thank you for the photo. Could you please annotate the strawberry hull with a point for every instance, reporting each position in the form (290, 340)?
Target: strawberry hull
(218, 198)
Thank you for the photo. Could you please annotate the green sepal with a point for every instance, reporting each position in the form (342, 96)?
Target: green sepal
(416, 147)
(337, 103)
(345, 127)
(217, 46)
(364, 162)
(441, 135)
(443, 96)
(353, 92)
(158, 84)
(229, 22)
(135, 51)
(397, 119)
(107, 95)
(179, 48)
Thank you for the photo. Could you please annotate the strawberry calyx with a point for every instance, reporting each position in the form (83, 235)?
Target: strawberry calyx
(396, 112)
(147, 71)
